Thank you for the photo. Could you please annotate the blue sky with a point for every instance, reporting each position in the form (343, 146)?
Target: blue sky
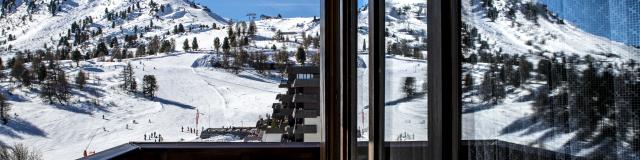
(238, 9)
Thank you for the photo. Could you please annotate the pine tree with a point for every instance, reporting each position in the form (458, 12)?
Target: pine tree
(468, 81)
(5, 107)
(316, 41)
(101, 50)
(150, 86)
(473, 58)
(278, 36)
(492, 13)
(141, 50)
(114, 42)
(194, 43)
(55, 86)
(253, 28)
(364, 45)
(2, 75)
(167, 46)
(27, 78)
(491, 88)
(154, 45)
(225, 45)
(216, 44)
(76, 56)
(541, 104)
(185, 45)
(417, 54)
(282, 58)
(42, 72)
(409, 86)
(180, 28)
(81, 79)
(301, 55)
(129, 81)
(63, 90)
(524, 69)
(17, 67)
(240, 59)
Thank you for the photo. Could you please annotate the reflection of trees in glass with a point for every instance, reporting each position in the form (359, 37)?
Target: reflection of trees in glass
(599, 101)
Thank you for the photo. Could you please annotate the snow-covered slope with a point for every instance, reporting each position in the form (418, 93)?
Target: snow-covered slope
(546, 34)
(65, 131)
(545, 37)
(35, 28)
(103, 115)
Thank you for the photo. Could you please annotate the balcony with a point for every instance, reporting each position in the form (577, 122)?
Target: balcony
(306, 98)
(310, 83)
(284, 84)
(306, 114)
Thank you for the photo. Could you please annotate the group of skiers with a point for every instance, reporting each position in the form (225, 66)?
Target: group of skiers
(190, 130)
(155, 136)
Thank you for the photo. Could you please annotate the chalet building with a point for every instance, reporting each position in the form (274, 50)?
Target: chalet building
(296, 116)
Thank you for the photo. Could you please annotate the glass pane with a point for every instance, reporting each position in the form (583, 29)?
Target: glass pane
(363, 81)
(406, 78)
(85, 76)
(551, 79)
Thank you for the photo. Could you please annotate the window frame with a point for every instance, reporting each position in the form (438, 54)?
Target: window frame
(338, 82)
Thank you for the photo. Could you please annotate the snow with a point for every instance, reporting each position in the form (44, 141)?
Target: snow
(223, 99)
(402, 115)
(188, 85)
(546, 35)
(46, 29)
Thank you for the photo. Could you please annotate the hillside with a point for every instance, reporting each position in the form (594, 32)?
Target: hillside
(103, 114)
(497, 38)
(35, 27)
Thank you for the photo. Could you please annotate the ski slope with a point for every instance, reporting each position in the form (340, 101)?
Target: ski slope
(222, 98)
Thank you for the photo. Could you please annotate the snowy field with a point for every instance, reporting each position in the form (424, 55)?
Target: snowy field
(63, 132)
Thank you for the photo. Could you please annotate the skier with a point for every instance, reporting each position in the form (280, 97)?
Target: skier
(149, 120)
(127, 126)
(103, 116)
(145, 137)
(182, 129)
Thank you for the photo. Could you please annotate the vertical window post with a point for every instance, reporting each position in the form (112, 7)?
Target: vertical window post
(338, 78)
(443, 47)
(376, 79)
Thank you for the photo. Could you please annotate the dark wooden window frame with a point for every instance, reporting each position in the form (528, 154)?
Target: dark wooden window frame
(444, 92)
(338, 79)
